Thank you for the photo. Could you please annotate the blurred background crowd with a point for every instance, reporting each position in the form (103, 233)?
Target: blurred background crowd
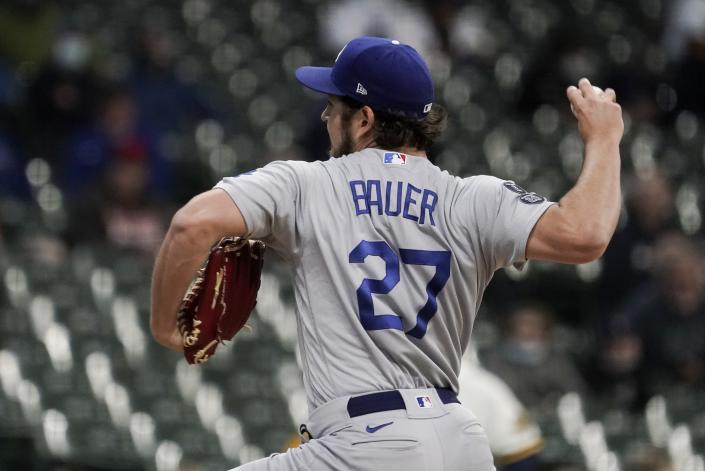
(113, 114)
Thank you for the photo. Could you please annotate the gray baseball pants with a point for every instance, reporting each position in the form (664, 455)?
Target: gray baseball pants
(426, 435)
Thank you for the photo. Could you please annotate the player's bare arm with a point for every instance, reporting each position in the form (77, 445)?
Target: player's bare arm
(579, 228)
(203, 221)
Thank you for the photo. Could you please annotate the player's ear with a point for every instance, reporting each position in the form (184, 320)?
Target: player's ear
(366, 119)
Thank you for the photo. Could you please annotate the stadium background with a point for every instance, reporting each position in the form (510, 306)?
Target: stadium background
(112, 114)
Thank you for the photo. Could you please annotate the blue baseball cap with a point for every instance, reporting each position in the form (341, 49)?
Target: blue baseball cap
(382, 73)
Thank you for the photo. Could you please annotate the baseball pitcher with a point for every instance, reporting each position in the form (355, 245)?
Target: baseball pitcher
(390, 256)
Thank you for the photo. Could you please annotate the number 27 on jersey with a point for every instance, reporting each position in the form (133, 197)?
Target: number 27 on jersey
(436, 258)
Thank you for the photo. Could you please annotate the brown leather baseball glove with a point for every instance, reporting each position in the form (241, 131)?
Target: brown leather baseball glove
(221, 297)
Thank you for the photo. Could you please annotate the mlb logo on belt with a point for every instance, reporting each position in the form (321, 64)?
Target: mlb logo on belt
(424, 402)
(394, 158)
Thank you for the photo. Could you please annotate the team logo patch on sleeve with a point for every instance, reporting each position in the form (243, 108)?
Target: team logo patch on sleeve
(531, 198)
(394, 158)
(511, 186)
(526, 197)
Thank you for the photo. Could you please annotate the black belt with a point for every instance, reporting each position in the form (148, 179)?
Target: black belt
(389, 400)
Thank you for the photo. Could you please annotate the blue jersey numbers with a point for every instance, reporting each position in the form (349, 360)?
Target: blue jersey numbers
(436, 258)
(380, 249)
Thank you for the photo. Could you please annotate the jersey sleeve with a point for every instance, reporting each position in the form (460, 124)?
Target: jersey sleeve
(268, 198)
(503, 215)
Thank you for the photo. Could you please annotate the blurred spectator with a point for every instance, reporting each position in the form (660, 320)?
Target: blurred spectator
(118, 134)
(628, 261)
(669, 313)
(164, 100)
(120, 212)
(526, 360)
(62, 97)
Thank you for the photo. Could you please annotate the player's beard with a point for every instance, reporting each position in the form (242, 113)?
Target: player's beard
(346, 146)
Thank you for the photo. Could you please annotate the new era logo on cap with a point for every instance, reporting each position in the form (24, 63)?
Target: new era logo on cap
(394, 158)
(424, 402)
(360, 89)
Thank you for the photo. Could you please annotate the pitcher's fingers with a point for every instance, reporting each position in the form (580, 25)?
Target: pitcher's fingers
(611, 94)
(586, 87)
(574, 96)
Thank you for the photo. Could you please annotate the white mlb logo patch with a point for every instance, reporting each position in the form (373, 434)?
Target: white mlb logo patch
(394, 158)
(424, 402)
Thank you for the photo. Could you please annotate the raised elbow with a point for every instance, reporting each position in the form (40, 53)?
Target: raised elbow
(561, 236)
(589, 245)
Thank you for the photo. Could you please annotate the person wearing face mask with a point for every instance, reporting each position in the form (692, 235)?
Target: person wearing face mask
(526, 361)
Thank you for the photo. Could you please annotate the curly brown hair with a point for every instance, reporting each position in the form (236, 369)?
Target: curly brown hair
(393, 131)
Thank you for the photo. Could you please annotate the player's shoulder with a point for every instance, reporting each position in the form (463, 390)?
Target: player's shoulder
(484, 184)
(279, 174)
(483, 181)
(478, 191)
(298, 169)
(489, 184)
(492, 187)
(294, 165)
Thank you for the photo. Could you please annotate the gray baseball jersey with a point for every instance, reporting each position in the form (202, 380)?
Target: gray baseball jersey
(390, 258)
